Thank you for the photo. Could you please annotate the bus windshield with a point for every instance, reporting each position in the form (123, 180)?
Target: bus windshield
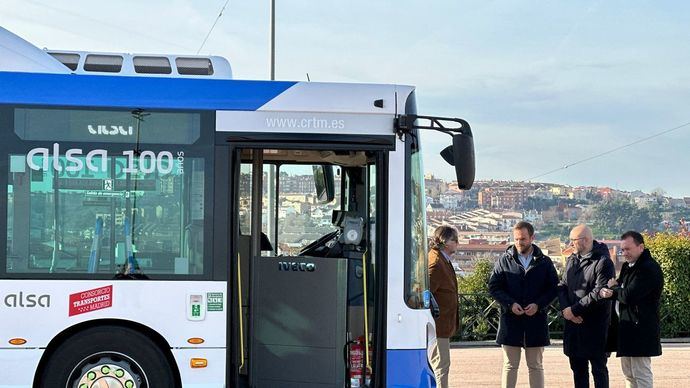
(106, 192)
(416, 270)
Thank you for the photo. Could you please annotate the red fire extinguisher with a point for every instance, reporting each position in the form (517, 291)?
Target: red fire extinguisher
(356, 362)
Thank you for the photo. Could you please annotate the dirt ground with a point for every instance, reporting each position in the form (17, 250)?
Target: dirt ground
(481, 367)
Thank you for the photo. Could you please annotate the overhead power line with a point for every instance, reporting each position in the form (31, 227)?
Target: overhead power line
(609, 151)
(100, 23)
(213, 26)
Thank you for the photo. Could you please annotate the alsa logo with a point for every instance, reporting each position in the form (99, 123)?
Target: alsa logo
(72, 156)
(27, 300)
(111, 130)
(295, 266)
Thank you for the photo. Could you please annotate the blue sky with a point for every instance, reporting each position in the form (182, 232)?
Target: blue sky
(543, 84)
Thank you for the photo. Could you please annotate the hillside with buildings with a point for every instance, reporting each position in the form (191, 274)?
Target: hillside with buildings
(485, 215)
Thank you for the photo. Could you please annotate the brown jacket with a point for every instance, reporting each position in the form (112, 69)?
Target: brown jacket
(444, 287)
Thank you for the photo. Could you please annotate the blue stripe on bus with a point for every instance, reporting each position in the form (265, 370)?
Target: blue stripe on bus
(408, 369)
(137, 92)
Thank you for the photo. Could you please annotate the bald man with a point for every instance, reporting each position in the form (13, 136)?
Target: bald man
(587, 315)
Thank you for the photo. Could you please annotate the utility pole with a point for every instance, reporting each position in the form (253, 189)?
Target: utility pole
(273, 40)
(272, 219)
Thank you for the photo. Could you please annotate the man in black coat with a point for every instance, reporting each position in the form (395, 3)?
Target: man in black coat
(637, 294)
(524, 283)
(587, 315)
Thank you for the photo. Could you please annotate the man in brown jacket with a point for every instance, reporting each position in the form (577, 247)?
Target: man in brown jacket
(444, 286)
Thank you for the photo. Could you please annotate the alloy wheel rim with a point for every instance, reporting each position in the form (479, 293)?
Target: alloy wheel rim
(107, 370)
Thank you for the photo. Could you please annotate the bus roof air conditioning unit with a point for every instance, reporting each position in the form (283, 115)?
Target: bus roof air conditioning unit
(18, 55)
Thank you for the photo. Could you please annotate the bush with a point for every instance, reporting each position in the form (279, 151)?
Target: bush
(672, 251)
(478, 281)
(478, 318)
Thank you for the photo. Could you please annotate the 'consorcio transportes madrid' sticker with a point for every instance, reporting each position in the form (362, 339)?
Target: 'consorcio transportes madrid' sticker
(91, 300)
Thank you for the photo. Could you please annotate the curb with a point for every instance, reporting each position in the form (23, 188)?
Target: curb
(554, 342)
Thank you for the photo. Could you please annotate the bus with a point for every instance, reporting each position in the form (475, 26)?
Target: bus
(169, 226)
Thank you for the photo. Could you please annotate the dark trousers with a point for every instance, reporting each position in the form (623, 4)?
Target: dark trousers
(580, 368)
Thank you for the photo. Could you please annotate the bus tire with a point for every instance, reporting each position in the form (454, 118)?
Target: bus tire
(109, 353)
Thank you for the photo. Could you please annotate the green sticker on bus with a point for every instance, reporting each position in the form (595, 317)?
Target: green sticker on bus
(214, 301)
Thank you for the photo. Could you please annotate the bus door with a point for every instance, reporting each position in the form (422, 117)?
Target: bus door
(307, 266)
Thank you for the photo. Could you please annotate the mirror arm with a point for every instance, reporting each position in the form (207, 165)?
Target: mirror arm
(406, 123)
(460, 154)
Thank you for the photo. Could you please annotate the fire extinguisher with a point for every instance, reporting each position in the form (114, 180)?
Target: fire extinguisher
(356, 362)
(359, 377)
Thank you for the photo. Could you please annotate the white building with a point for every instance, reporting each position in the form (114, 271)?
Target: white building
(542, 193)
(451, 199)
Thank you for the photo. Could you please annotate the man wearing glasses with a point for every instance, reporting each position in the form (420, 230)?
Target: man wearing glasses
(587, 315)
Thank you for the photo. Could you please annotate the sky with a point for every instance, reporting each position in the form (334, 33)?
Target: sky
(543, 84)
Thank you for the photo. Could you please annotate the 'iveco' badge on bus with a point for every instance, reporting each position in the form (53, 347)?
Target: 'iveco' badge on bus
(295, 266)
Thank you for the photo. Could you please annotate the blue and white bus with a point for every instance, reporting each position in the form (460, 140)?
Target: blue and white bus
(169, 226)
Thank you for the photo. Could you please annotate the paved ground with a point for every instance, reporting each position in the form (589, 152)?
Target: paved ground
(481, 367)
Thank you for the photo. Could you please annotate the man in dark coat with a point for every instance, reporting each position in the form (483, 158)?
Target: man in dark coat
(587, 315)
(637, 294)
(524, 282)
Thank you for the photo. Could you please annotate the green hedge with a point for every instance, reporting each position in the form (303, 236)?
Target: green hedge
(479, 318)
(672, 251)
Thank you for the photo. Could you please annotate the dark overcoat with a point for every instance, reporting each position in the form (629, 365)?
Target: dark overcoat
(579, 289)
(638, 296)
(511, 283)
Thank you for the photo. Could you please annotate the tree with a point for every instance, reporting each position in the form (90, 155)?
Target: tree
(554, 230)
(478, 281)
(659, 193)
(611, 218)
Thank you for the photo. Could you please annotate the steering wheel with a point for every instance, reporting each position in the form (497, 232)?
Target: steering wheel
(321, 241)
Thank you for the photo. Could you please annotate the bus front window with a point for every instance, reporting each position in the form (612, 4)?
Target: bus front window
(113, 203)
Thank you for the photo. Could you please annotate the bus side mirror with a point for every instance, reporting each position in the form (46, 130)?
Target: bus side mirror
(461, 155)
(325, 183)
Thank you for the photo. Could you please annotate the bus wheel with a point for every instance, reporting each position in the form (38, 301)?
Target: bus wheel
(108, 356)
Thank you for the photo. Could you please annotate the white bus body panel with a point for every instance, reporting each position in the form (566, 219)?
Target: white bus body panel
(406, 326)
(338, 98)
(209, 377)
(18, 367)
(303, 122)
(160, 305)
(322, 108)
